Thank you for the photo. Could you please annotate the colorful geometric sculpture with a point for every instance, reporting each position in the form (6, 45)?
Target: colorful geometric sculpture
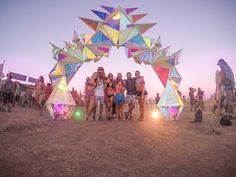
(117, 27)
(170, 103)
(60, 103)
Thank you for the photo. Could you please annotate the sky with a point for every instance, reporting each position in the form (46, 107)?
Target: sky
(204, 29)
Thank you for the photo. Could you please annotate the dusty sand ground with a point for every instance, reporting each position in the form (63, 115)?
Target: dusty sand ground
(31, 146)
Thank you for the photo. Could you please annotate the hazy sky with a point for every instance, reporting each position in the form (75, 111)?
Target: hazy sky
(205, 29)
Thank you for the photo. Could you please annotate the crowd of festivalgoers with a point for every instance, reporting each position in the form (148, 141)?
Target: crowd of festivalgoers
(110, 93)
(13, 93)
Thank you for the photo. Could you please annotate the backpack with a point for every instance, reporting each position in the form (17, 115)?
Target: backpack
(225, 120)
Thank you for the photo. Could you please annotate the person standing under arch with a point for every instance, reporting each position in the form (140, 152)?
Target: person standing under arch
(131, 95)
(100, 92)
(110, 91)
(140, 92)
(90, 94)
(119, 96)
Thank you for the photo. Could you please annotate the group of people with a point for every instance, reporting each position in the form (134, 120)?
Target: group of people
(12, 93)
(109, 92)
(198, 100)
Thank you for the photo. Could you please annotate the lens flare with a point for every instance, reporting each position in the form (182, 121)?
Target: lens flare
(155, 115)
(77, 114)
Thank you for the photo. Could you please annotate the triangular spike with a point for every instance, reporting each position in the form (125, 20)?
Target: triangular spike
(158, 42)
(100, 14)
(166, 49)
(54, 46)
(75, 37)
(176, 56)
(162, 74)
(93, 24)
(137, 17)
(124, 21)
(67, 44)
(144, 27)
(108, 9)
(175, 76)
(70, 70)
(126, 35)
(129, 10)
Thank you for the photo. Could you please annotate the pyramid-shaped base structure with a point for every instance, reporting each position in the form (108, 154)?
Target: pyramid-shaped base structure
(61, 104)
(170, 103)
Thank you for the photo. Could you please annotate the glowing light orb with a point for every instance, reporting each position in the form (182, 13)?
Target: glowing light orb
(155, 115)
(77, 114)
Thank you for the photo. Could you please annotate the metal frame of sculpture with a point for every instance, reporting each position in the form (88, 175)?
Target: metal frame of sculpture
(117, 27)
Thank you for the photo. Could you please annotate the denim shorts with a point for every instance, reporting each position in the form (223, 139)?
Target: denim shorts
(100, 100)
(119, 99)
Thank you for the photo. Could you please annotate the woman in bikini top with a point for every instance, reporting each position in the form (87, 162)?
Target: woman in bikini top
(109, 96)
(140, 86)
(90, 94)
(110, 88)
(91, 85)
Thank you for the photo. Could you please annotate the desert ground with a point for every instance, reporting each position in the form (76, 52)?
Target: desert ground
(37, 146)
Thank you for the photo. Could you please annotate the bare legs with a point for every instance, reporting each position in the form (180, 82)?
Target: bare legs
(119, 111)
(109, 107)
(130, 110)
(91, 105)
(141, 101)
